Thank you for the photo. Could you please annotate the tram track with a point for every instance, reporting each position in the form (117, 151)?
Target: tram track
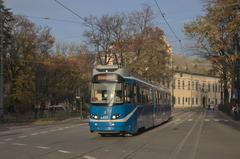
(121, 140)
(182, 143)
(139, 148)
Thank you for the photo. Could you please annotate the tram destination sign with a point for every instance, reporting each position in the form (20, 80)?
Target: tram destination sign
(107, 77)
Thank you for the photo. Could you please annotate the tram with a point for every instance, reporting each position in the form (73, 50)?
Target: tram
(125, 104)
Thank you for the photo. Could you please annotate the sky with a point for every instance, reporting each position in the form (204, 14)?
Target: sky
(177, 12)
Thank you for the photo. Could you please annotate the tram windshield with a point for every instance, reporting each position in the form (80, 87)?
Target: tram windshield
(107, 93)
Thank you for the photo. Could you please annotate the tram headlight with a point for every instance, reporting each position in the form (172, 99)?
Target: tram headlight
(93, 116)
(115, 116)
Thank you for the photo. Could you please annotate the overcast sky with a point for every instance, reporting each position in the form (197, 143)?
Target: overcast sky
(177, 13)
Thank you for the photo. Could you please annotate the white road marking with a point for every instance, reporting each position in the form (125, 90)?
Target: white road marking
(42, 147)
(89, 157)
(66, 127)
(106, 150)
(19, 144)
(9, 139)
(225, 120)
(62, 151)
(207, 120)
(43, 132)
(52, 130)
(190, 119)
(23, 136)
(216, 120)
(34, 134)
(80, 124)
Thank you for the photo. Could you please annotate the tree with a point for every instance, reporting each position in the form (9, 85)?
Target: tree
(102, 32)
(214, 34)
(131, 41)
(29, 45)
(7, 17)
(149, 55)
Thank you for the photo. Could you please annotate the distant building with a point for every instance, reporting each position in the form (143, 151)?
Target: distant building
(195, 89)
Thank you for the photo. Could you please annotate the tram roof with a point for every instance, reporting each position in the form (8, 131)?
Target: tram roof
(108, 69)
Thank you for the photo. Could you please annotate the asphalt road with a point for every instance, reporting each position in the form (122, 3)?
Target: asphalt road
(191, 134)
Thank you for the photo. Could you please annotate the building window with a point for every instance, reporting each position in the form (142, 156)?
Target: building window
(196, 85)
(209, 87)
(183, 83)
(179, 85)
(183, 100)
(213, 88)
(188, 85)
(209, 100)
(192, 85)
(196, 100)
(179, 100)
(192, 101)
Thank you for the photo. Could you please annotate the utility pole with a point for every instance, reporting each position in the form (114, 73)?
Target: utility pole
(1, 65)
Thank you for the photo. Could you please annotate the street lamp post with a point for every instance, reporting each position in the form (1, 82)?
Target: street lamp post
(78, 98)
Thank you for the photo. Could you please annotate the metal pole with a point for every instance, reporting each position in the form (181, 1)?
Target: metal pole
(191, 87)
(215, 91)
(173, 83)
(81, 107)
(1, 69)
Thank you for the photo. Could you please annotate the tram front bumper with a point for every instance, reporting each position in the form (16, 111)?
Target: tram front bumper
(110, 127)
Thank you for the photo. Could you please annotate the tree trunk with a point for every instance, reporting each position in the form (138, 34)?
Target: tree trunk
(225, 88)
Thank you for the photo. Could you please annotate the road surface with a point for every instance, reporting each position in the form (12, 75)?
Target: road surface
(191, 134)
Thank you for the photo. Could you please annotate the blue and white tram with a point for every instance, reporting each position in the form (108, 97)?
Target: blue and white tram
(122, 103)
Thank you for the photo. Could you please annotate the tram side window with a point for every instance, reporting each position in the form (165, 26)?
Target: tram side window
(145, 96)
(142, 97)
(150, 100)
(139, 95)
(157, 97)
(167, 98)
(127, 93)
(135, 95)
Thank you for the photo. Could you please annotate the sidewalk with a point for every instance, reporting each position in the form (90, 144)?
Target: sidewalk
(228, 117)
(8, 126)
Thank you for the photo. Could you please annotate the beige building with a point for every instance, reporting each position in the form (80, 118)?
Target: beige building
(193, 89)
